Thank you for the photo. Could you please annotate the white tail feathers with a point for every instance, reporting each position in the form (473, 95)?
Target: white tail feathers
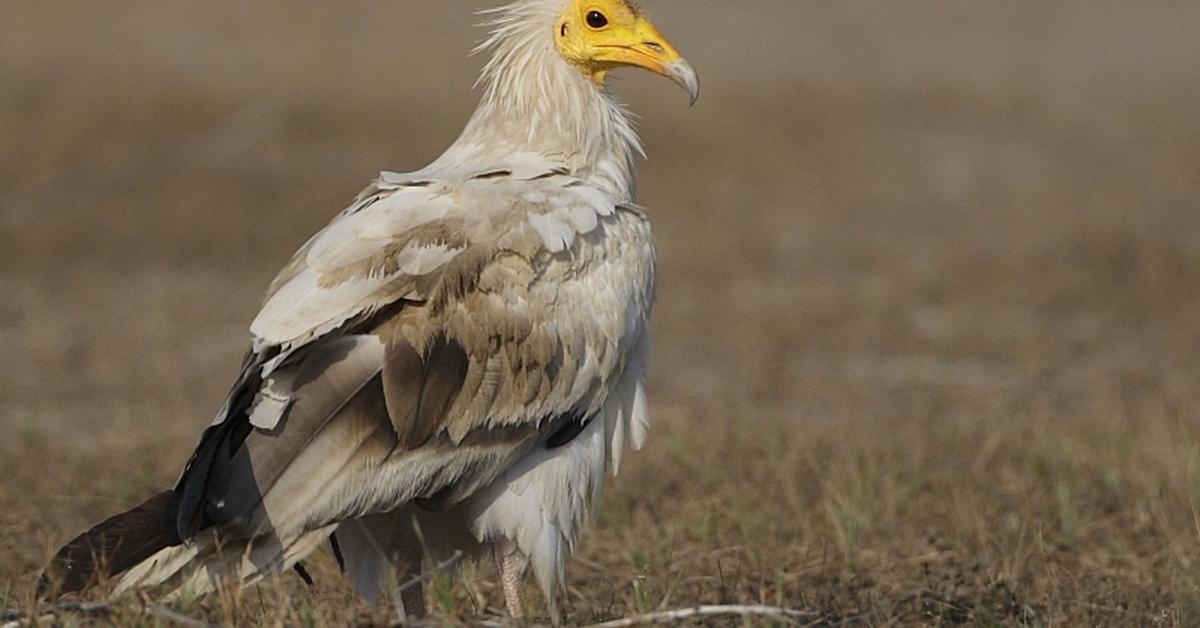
(207, 564)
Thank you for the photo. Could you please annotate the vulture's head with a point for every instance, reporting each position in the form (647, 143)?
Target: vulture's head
(601, 35)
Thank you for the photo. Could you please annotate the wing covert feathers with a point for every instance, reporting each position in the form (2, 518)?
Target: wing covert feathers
(408, 238)
(421, 389)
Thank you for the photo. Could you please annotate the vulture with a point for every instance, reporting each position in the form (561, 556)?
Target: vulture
(454, 363)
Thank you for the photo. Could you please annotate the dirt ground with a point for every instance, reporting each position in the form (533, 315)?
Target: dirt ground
(927, 347)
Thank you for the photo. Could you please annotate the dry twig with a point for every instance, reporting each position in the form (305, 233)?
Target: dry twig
(664, 617)
(445, 564)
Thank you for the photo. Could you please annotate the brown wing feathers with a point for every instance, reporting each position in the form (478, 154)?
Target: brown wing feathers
(390, 394)
(113, 545)
(165, 520)
(420, 390)
(330, 378)
(225, 437)
(236, 465)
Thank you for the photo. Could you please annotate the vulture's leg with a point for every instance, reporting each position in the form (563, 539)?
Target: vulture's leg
(511, 565)
(406, 558)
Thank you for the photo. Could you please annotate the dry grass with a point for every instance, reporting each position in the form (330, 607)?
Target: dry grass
(926, 348)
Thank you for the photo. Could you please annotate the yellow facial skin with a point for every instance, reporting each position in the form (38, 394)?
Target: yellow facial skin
(599, 35)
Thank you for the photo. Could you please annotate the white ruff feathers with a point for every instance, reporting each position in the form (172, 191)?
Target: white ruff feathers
(536, 101)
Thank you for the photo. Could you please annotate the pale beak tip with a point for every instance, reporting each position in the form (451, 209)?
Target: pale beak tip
(682, 73)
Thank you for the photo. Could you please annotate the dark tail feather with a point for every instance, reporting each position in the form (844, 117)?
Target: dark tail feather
(112, 546)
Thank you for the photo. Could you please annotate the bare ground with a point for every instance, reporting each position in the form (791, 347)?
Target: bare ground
(927, 336)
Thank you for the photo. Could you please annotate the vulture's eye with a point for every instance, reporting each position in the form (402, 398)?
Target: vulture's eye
(596, 19)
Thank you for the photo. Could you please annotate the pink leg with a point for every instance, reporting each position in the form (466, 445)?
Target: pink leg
(511, 566)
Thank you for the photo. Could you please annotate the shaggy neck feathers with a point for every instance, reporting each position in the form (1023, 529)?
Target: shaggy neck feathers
(535, 101)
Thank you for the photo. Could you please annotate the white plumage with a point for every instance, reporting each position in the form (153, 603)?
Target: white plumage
(463, 348)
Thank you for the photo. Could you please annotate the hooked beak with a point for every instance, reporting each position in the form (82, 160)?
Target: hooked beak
(682, 73)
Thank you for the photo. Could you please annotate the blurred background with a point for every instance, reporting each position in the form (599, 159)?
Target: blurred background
(898, 241)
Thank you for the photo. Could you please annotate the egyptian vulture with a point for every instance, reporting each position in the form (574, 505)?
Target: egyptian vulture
(458, 355)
